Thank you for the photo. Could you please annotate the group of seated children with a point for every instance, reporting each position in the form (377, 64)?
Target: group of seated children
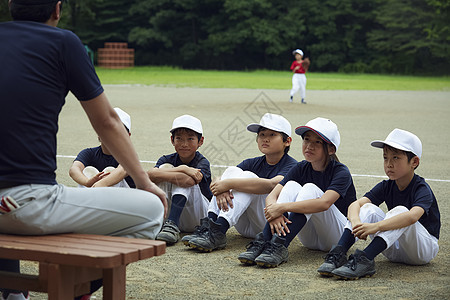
(273, 198)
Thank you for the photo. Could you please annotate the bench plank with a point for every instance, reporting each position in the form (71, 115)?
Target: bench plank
(68, 262)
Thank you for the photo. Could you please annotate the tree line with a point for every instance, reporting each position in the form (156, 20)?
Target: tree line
(362, 36)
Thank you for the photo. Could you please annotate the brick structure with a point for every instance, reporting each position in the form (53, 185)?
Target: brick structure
(115, 56)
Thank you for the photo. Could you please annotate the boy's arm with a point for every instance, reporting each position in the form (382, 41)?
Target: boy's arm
(173, 175)
(112, 178)
(76, 172)
(110, 129)
(258, 186)
(405, 219)
(310, 206)
(353, 210)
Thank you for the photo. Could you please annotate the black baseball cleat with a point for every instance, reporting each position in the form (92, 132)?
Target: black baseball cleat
(333, 260)
(358, 266)
(210, 240)
(274, 253)
(254, 249)
(198, 231)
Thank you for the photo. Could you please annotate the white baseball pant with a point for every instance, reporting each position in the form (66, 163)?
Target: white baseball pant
(412, 245)
(299, 83)
(196, 207)
(323, 229)
(51, 209)
(247, 214)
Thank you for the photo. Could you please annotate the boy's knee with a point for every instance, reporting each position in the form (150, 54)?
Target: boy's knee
(166, 166)
(396, 211)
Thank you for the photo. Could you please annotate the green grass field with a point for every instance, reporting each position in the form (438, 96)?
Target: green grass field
(262, 79)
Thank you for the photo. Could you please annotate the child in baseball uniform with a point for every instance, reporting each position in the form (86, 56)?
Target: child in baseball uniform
(96, 167)
(299, 68)
(185, 176)
(239, 194)
(408, 233)
(310, 202)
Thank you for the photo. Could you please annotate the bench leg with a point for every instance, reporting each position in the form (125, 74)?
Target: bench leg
(114, 283)
(61, 281)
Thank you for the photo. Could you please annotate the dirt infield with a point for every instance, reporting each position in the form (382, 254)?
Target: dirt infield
(361, 116)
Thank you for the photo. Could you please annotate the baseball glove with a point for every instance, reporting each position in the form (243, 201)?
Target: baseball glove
(305, 63)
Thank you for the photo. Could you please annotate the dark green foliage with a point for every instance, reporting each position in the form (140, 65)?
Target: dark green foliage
(352, 36)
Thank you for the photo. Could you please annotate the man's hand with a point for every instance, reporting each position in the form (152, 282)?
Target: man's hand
(225, 200)
(280, 225)
(154, 189)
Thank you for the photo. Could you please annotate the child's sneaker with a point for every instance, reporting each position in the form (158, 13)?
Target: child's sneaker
(303, 101)
(254, 249)
(333, 260)
(169, 233)
(358, 266)
(199, 230)
(210, 240)
(274, 253)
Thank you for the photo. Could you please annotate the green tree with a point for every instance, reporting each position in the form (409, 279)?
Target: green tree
(412, 36)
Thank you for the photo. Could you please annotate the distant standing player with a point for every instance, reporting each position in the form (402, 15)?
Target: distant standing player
(299, 67)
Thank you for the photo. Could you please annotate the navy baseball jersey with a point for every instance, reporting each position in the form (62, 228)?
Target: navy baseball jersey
(417, 193)
(96, 158)
(336, 177)
(198, 162)
(260, 167)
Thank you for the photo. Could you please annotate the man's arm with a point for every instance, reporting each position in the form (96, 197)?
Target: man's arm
(110, 129)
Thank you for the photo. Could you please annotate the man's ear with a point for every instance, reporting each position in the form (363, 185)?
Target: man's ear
(56, 15)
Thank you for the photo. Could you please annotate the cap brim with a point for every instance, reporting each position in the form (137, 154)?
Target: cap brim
(302, 129)
(380, 144)
(253, 127)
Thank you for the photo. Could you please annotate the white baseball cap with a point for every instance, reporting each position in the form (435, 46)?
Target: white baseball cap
(272, 122)
(124, 117)
(402, 140)
(189, 122)
(325, 128)
(297, 51)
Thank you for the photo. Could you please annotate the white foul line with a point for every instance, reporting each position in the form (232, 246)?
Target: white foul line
(223, 166)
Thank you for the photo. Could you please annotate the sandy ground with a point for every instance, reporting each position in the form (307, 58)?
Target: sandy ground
(362, 116)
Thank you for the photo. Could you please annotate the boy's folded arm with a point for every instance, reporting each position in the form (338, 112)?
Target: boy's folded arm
(76, 173)
(258, 186)
(113, 178)
(354, 208)
(173, 176)
(401, 220)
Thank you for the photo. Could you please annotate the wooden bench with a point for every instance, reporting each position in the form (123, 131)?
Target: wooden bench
(68, 262)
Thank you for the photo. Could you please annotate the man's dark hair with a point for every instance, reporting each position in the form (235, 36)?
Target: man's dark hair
(32, 10)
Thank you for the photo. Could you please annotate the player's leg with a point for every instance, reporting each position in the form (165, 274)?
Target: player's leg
(47, 209)
(215, 238)
(302, 84)
(295, 86)
(412, 245)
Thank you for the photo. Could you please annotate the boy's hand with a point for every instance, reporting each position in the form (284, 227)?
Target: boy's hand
(224, 200)
(96, 177)
(219, 187)
(362, 230)
(195, 174)
(8, 204)
(273, 211)
(279, 225)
